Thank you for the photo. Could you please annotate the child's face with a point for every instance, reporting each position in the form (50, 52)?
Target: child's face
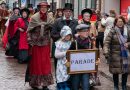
(68, 37)
(83, 34)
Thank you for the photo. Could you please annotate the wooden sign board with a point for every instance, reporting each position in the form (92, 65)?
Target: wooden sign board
(82, 61)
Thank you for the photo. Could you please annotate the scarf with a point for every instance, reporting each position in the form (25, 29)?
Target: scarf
(43, 16)
(124, 52)
(84, 43)
(14, 17)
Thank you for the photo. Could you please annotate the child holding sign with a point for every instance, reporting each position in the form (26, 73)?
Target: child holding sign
(60, 53)
(83, 41)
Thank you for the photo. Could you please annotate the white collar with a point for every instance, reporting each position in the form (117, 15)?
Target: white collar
(64, 18)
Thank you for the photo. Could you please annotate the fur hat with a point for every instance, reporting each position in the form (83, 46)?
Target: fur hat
(86, 10)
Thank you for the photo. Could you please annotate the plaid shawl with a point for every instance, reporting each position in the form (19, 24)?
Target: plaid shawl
(124, 52)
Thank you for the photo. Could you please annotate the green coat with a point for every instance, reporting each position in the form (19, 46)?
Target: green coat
(112, 51)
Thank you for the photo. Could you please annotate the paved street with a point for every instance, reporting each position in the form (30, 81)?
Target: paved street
(12, 75)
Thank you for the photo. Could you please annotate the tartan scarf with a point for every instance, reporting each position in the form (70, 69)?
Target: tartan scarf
(124, 52)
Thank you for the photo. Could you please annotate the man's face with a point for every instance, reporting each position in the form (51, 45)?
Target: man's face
(67, 13)
(43, 9)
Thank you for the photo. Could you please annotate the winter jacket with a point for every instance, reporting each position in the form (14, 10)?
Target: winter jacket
(112, 52)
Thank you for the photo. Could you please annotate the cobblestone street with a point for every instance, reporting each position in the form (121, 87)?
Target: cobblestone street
(12, 76)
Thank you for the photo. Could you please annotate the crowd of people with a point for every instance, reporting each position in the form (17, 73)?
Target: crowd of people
(33, 37)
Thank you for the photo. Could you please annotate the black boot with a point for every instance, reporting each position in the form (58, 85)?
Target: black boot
(116, 88)
(124, 87)
(35, 88)
(45, 88)
(124, 81)
(116, 81)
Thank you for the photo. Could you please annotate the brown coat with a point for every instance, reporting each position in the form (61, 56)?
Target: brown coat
(112, 51)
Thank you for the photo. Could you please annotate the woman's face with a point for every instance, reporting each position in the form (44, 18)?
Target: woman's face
(24, 14)
(16, 11)
(68, 37)
(59, 13)
(120, 23)
(86, 17)
(43, 9)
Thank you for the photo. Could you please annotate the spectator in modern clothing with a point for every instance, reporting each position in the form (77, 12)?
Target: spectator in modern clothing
(117, 52)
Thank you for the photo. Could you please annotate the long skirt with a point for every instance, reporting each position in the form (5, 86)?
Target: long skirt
(5, 38)
(40, 67)
(23, 55)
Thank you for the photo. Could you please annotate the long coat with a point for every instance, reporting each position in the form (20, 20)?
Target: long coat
(112, 51)
(23, 44)
(58, 25)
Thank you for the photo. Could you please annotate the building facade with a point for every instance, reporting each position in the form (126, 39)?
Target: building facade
(79, 5)
(108, 5)
(125, 7)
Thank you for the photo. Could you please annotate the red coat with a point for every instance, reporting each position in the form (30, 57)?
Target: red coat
(23, 35)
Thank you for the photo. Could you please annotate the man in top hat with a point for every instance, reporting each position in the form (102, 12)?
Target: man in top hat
(3, 17)
(66, 19)
(39, 39)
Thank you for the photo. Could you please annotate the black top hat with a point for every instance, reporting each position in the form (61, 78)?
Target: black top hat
(87, 10)
(68, 6)
(30, 6)
(16, 8)
(25, 10)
